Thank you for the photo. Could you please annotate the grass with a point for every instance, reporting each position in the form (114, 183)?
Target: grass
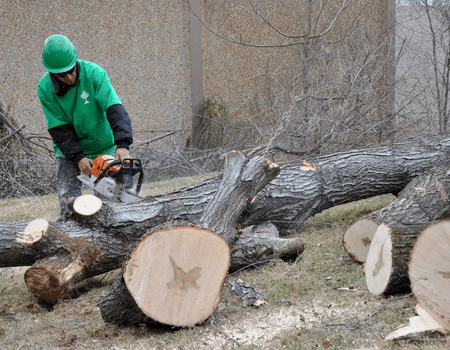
(317, 302)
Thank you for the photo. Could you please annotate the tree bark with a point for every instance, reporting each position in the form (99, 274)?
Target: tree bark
(429, 272)
(299, 192)
(424, 199)
(262, 244)
(85, 246)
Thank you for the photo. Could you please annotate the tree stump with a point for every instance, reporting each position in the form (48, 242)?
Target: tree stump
(424, 199)
(386, 267)
(429, 271)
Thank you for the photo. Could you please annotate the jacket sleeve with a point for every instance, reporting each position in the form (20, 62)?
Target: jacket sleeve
(120, 123)
(66, 139)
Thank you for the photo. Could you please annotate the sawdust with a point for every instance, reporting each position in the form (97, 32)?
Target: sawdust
(262, 328)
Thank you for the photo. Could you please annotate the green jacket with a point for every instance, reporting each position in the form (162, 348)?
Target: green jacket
(83, 107)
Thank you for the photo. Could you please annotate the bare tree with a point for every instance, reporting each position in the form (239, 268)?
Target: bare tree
(424, 68)
(334, 94)
(26, 161)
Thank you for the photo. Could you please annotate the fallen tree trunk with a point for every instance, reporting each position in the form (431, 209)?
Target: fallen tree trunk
(301, 191)
(424, 199)
(78, 246)
(297, 193)
(429, 272)
(175, 276)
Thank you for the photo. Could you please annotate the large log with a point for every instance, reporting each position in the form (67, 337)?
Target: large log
(296, 194)
(175, 276)
(429, 272)
(424, 199)
(301, 191)
(77, 246)
(386, 267)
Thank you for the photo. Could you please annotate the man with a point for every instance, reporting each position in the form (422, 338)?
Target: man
(85, 117)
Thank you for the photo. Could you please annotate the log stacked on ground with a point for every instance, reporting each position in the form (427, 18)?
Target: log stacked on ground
(386, 267)
(424, 199)
(429, 271)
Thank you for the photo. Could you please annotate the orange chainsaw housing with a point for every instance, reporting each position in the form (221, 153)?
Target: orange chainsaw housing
(101, 162)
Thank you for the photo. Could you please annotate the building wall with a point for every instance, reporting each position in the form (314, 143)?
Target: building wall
(143, 46)
(258, 61)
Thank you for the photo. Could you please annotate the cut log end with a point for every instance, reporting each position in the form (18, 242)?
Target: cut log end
(378, 264)
(176, 275)
(357, 238)
(87, 205)
(42, 283)
(33, 232)
(429, 271)
(50, 279)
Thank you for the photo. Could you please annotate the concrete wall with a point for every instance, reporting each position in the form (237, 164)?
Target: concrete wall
(248, 68)
(416, 87)
(143, 46)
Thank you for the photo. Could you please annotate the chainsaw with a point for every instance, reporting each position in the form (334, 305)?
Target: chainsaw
(114, 178)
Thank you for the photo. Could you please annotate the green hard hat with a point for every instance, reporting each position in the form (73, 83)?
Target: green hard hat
(59, 55)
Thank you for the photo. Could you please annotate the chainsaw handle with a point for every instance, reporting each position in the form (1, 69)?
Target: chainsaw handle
(105, 171)
(134, 166)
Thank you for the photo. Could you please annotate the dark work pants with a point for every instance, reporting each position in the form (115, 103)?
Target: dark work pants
(67, 183)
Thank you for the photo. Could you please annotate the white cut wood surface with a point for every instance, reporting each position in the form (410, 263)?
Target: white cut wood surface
(176, 275)
(417, 324)
(379, 261)
(33, 232)
(87, 204)
(357, 238)
(429, 271)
